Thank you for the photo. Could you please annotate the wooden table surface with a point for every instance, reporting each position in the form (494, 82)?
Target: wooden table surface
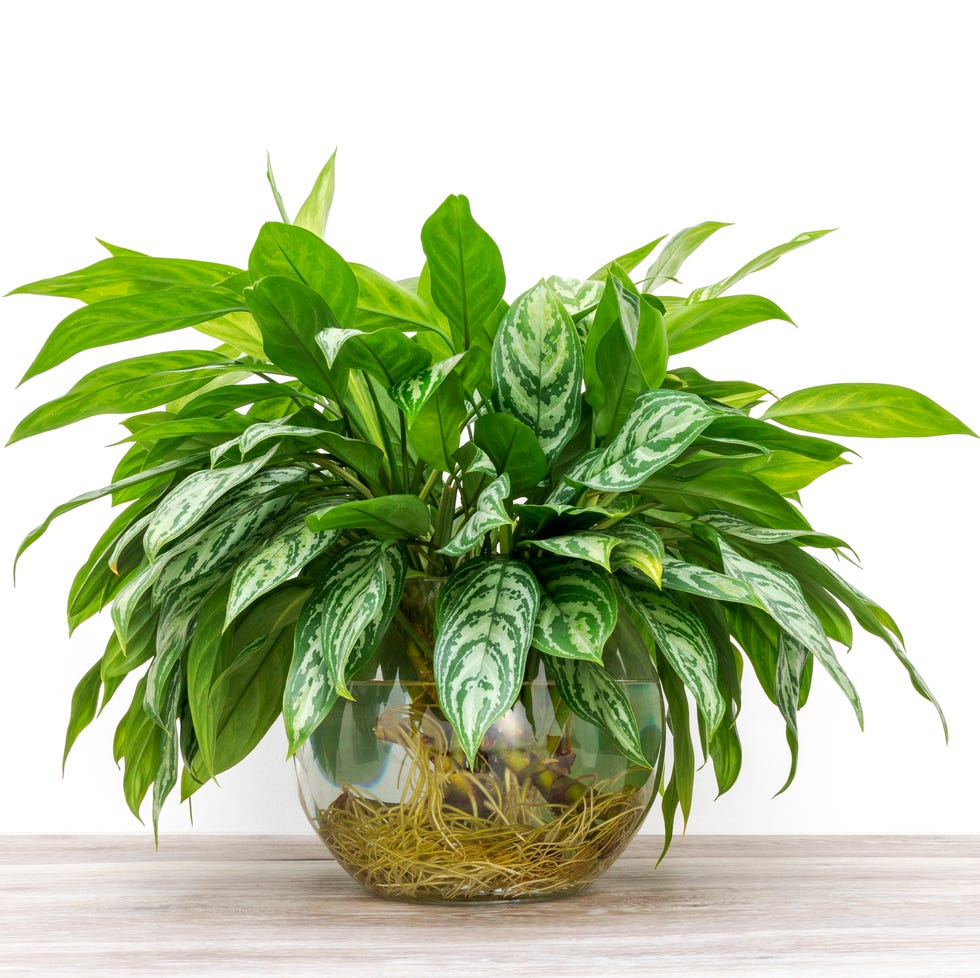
(719, 906)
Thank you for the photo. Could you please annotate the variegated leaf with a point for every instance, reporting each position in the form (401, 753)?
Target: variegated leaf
(578, 609)
(287, 553)
(490, 512)
(338, 627)
(679, 575)
(640, 546)
(661, 425)
(181, 508)
(595, 696)
(481, 464)
(536, 366)
(577, 296)
(166, 774)
(789, 675)
(744, 530)
(135, 529)
(126, 601)
(596, 548)
(684, 642)
(410, 395)
(388, 354)
(784, 601)
(484, 620)
(255, 434)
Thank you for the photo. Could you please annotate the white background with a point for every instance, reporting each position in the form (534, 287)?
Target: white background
(578, 131)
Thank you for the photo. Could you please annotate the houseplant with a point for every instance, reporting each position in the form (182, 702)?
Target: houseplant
(487, 560)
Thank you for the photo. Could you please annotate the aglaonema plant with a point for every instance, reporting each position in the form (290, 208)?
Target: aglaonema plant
(557, 459)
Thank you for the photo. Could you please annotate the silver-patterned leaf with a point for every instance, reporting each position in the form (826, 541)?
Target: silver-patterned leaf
(594, 547)
(181, 508)
(784, 601)
(536, 367)
(639, 546)
(484, 620)
(744, 530)
(577, 296)
(411, 395)
(679, 575)
(789, 675)
(661, 425)
(490, 513)
(287, 553)
(577, 613)
(262, 431)
(684, 642)
(126, 601)
(594, 695)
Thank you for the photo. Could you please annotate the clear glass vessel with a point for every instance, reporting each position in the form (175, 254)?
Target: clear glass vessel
(550, 803)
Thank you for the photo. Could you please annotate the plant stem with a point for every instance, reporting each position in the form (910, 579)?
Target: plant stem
(342, 473)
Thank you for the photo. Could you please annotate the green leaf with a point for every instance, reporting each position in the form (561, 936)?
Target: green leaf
(639, 546)
(744, 530)
(286, 553)
(741, 428)
(865, 411)
(783, 600)
(764, 260)
(513, 448)
(693, 325)
(411, 394)
(129, 318)
(537, 368)
(84, 703)
(137, 742)
(734, 393)
(283, 250)
(181, 508)
(465, 268)
(435, 433)
(594, 695)
(577, 296)
(661, 425)
(395, 517)
(789, 674)
(679, 575)
(680, 788)
(629, 261)
(123, 387)
(596, 548)
(313, 214)
(787, 473)
(577, 613)
(270, 176)
(676, 251)
(290, 316)
(484, 621)
(490, 512)
(684, 642)
(165, 776)
(112, 278)
(389, 355)
(382, 302)
(625, 354)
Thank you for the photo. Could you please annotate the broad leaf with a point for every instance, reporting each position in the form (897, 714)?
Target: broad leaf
(484, 622)
(466, 272)
(387, 354)
(661, 425)
(596, 548)
(382, 302)
(435, 432)
(129, 318)
(639, 546)
(395, 517)
(537, 368)
(866, 411)
(490, 513)
(680, 575)
(594, 695)
(577, 296)
(694, 325)
(514, 449)
(410, 395)
(577, 613)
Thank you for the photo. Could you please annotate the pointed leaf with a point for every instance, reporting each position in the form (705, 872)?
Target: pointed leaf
(629, 261)
(84, 703)
(396, 517)
(577, 613)
(382, 302)
(537, 368)
(789, 675)
(484, 621)
(679, 575)
(596, 548)
(691, 326)
(313, 214)
(514, 449)
(435, 433)
(676, 251)
(410, 395)
(387, 354)
(577, 296)
(640, 546)
(490, 513)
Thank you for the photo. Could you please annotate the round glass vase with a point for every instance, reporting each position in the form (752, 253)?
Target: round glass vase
(549, 804)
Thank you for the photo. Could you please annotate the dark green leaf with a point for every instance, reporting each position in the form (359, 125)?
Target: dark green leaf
(84, 703)
(396, 517)
(513, 448)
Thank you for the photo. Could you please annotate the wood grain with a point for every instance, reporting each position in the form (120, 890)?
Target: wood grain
(724, 906)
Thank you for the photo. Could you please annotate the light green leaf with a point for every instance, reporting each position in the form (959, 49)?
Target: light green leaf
(679, 575)
(287, 251)
(84, 703)
(742, 529)
(629, 261)
(514, 449)
(594, 695)
(865, 411)
(395, 517)
(789, 674)
(596, 548)
(734, 393)
(435, 432)
(676, 251)
(490, 513)
(484, 621)
(410, 395)
(128, 318)
(387, 354)
(577, 296)
(684, 642)
(313, 214)
(639, 546)
(764, 260)
(466, 272)
(738, 427)
(271, 177)
(690, 326)
(537, 368)
(259, 432)
(382, 302)
(783, 600)
(577, 613)
(787, 473)
(661, 425)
